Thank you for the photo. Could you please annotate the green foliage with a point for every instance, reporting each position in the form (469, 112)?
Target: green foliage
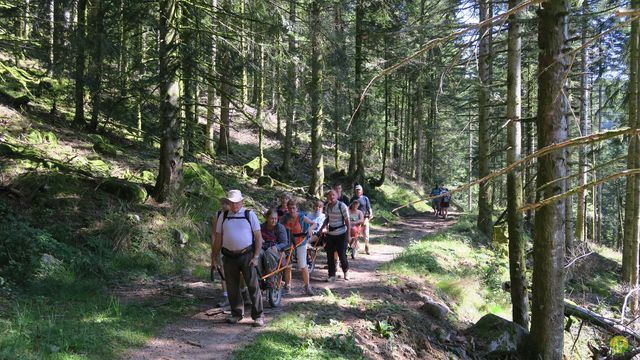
(102, 146)
(295, 335)
(383, 329)
(470, 276)
(199, 181)
(40, 137)
(77, 319)
(22, 249)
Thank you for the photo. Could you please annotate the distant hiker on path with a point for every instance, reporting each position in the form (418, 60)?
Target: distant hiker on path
(444, 201)
(238, 237)
(365, 207)
(338, 236)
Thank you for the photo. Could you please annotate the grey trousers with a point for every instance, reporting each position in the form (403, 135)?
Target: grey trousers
(233, 269)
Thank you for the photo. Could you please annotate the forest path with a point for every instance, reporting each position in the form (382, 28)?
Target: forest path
(209, 337)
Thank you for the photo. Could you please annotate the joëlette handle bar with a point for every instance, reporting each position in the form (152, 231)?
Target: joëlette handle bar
(280, 268)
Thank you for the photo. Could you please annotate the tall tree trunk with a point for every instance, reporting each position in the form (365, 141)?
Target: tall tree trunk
(170, 145)
(211, 90)
(419, 115)
(57, 50)
(485, 222)
(387, 100)
(244, 53)
(584, 129)
(226, 88)
(315, 92)
(292, 92)
(95, 69)
(517, 241)
(547, 315)
(123, 63)
(188, 56)
(631, 214)
(80, 63)
(357, 126)
(259, 94)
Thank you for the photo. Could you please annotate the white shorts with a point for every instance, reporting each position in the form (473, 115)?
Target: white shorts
(301, 254)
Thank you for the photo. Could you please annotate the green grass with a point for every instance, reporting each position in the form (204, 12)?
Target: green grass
(467, 275)
(298, 335)
(68, 318)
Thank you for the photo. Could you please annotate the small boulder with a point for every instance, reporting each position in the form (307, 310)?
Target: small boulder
(253, 166)
(435, 309)
(265, 181)
(124, 190)
(494, 335)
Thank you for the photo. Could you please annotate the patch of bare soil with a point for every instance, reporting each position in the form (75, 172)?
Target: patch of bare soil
(205, 335)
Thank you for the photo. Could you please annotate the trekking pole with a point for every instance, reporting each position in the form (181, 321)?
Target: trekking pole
(219, 273)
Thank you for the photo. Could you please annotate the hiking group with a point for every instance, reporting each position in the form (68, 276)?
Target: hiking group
(242, 249)
(440, 200)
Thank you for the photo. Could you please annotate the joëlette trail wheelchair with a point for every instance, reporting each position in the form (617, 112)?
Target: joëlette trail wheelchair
(273, 282)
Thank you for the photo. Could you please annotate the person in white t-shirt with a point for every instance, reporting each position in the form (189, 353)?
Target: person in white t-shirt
(238, 237)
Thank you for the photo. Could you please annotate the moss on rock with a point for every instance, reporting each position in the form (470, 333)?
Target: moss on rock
(124, 190)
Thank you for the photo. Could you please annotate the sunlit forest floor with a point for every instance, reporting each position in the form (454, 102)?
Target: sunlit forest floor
(97, 274)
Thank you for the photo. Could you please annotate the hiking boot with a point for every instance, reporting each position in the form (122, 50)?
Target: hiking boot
(366, 249)
(331, 279)
(346, 277)
(233, 319)
(246, 297)
(224, 302)
(309, 291)
(259, 322)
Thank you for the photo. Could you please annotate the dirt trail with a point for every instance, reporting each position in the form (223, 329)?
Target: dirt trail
(209, 337)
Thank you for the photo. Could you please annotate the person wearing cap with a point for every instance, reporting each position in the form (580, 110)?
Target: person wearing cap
(239, 239)
(365, 207)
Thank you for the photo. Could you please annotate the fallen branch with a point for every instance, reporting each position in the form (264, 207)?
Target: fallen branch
(544, 151)
(575, 190)
(596, 319)
(193, 343)
(578, 258)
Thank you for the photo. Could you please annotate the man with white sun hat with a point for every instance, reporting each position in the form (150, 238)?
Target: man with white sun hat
(238, 237)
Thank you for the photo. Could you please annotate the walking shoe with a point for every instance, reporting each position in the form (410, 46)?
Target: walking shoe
(366, 249)
(331, 279)
(346, 277)
(224, 302)
(353, 253)
(246, 296)
(309, 291)
(259, 322)
(233, 319)
(286, 290)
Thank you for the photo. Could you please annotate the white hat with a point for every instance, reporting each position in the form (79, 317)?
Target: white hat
(233, 196)
(358, 187)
